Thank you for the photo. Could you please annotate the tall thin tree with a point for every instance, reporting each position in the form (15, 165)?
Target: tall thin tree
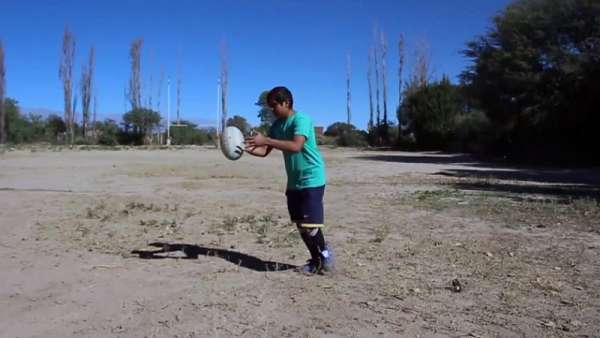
(401, 56)
(370, 82)
(65, 73)
(422, 68)
(224, 83)
(383, 45)
(178, 94)
(86, 85)
(348, 88)
(94, 132)
(135, 79)
(161, 80)
(376, 59)
(3, 130)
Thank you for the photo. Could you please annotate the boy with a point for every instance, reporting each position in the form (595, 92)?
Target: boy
(293, 133)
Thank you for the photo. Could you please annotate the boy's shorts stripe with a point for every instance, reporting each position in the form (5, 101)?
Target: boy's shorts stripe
(308, 225)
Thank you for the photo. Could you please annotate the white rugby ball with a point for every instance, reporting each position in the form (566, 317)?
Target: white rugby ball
(232, 143)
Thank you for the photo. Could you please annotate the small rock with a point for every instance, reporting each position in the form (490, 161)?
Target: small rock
(511, 254)
(489, 254)
(549, 324)
(456, 287)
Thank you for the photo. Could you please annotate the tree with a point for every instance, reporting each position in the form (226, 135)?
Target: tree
(536, 74)
(108, 131)
(240, 122)
(224, 83)
(370, 83)
(346, 135)
(141, 122)
(422, 67)
(376, 66)
(160, 84)
(2, 93)
(86, 84)
(348, 89)
(265, 114)
(401, 56)
(134, 94)
(384, 126)
(20, 128)
(433, 110)
(55, 126)
(65, 73)
(338, 128)
(189, 133)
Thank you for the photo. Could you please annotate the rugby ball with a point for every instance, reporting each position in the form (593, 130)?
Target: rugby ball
(232, 143)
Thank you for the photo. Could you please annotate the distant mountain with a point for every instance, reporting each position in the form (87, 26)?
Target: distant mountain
(45, 112)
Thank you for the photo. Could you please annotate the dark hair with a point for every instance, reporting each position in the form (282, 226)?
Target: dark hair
(280, 95)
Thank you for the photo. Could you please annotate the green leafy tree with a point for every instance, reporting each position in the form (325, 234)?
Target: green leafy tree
(107, 132)
(432, 110)
(189, 134)
(55, 127)
(240, 122)
(141, 120)
(347, 135)
(265, 113)
(536, 74)
(338, 128)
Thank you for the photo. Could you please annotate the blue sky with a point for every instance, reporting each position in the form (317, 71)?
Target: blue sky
(299, 44)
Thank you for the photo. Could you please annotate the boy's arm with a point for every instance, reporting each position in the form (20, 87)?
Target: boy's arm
(259, 151)
(293, 146)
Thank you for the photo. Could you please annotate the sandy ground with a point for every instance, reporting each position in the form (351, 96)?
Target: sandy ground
(523, 242)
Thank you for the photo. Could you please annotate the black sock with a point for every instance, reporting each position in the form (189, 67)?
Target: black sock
(319, 240)
(314, 243)
(310, 244)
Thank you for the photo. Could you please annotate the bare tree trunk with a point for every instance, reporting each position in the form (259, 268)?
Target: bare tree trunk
(400, 67)
(3, 130)
(87, 79)
(135, 80)
(348, 90)
(65, 73)
(224, 81)
(178, 96)
(370, 81)
(161, 80)
(150, 87)
(421, 72)
(383, 42)
(376, 58)
(94, 131)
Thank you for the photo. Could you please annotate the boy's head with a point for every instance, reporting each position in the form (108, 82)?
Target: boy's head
(280, 99)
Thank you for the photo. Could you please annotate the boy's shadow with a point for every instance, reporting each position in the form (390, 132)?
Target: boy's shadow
(192, 251)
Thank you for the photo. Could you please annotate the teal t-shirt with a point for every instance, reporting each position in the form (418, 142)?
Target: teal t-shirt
(305, 169)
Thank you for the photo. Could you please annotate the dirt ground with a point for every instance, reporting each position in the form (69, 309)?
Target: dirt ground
(524, 243)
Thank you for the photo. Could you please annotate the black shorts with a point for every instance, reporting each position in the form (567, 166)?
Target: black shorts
(306, 206)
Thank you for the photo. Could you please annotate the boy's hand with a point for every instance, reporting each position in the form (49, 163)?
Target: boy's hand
(256, 140)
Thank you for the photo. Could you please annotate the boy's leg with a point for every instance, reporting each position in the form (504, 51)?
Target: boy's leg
(310, 226)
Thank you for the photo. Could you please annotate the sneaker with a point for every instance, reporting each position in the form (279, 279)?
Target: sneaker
(327, 260)
(311, 267)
